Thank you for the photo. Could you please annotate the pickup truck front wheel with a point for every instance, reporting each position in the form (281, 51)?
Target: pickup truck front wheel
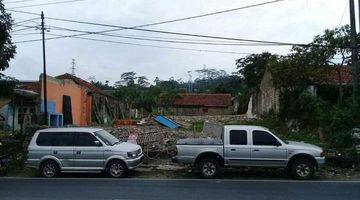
(302, 169)
(209, 168)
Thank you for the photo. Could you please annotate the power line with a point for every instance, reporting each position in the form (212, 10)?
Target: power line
(11, 2)
(162, 40)
(32, 33)
(179, 19)
(26, 20)
(44, 4)
(176, 33)
(342, 16)
(156, 46)
(22, 29)
(163, 22)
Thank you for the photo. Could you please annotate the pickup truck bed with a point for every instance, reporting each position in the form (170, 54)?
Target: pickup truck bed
(200, 141)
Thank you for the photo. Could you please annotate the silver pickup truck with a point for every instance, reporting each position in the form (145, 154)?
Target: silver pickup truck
(242, 145)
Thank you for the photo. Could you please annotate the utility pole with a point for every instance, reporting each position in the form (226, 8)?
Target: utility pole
(44, 69)
(190, 86)
(73, 66)
(354, 53)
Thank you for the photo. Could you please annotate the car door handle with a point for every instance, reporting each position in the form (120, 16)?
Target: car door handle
(256, 150)
(232, 149)
(78, 152)
(55, 152)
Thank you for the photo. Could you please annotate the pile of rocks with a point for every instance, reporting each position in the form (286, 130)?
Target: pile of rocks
(187, 121)
(152, 138)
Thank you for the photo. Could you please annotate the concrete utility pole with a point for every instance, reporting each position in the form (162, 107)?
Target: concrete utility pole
(354, 53)
(44, 69)
(73, 66)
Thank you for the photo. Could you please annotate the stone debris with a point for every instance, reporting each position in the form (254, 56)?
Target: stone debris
(152, 138)
(187, 121)
(156, 139)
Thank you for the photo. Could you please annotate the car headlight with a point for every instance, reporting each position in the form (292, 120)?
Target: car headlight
(132, 154)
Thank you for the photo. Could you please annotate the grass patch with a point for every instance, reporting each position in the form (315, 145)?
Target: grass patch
(196, 127)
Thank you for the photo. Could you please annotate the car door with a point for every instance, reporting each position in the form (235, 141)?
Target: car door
(237, 149)
(267, 150)
(62, 146)
(89, 154)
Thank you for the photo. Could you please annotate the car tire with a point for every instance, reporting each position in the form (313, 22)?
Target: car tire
(209, 168)
(117, 169)
(302, 169)
(49, 169)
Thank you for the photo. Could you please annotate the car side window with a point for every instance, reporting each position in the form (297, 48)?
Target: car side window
(44, 139)
(264, 138)
(55, 139)
(238, 137)
(85, 139)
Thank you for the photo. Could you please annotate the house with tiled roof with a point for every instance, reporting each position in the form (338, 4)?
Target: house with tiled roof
(74, 101)
(266, 97)
(203, 104)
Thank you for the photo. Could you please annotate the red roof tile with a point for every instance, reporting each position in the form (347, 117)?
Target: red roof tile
(30, 85)
(83, 83)
(201, 99)
(343, 75)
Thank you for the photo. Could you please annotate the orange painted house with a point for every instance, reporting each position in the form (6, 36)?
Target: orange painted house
(79, 101)
(74, 101)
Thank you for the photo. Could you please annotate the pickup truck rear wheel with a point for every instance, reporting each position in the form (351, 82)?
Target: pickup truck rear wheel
(209, 168)
(302, 169)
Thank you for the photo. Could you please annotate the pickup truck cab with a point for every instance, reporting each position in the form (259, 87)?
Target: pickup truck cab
(243, 145)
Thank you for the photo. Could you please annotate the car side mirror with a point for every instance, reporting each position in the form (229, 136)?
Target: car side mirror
(278, 143)
(98, 143)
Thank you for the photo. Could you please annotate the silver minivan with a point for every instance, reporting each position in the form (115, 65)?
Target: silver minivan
(56, 150)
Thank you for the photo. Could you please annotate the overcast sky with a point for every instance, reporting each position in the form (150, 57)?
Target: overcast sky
(295, 21)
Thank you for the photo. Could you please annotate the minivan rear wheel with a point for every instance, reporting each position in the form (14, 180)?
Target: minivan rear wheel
(117, 169)
(49, 169)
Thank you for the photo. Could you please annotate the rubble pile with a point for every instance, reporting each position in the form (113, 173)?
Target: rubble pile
(187, 121)
(153, 139)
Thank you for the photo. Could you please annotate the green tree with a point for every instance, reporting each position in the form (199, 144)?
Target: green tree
(142, 81)
(127, 78)
(252, 68)
(7, 48)
(329, 49)
(101, 85)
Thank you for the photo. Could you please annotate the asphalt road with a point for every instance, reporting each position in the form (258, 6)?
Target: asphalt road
(127, 189)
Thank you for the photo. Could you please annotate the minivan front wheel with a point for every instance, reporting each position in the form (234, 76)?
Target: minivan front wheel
(117, 169)
(49, 169)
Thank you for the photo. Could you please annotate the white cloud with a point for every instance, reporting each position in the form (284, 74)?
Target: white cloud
(290, 21)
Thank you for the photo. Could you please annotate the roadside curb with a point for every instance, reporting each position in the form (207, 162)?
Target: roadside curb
(200, 180)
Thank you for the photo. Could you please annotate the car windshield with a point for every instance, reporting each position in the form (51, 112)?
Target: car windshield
(106, 137)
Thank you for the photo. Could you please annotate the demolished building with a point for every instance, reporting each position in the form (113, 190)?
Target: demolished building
(71, 101)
